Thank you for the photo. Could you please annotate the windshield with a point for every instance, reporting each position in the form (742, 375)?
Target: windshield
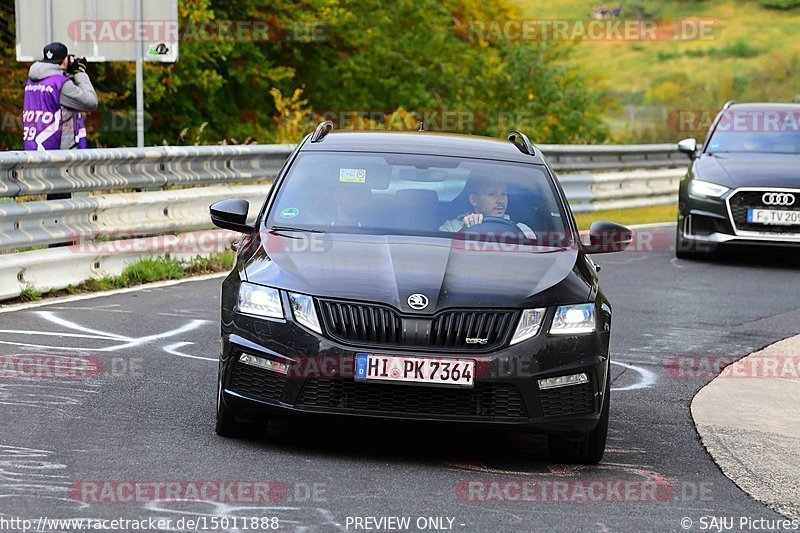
(775, 132)
(407, 194)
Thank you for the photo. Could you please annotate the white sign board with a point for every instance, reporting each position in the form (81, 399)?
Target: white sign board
(100, 30)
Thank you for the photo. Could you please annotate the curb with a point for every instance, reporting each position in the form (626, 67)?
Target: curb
(748, 419)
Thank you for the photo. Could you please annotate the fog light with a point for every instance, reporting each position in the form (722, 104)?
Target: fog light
(266, 364)
(563, 381)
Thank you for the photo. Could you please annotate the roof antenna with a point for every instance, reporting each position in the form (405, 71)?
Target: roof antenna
(421, 126)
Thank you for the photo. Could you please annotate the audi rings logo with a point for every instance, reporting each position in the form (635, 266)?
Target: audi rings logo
(778, 198)
(418, 301)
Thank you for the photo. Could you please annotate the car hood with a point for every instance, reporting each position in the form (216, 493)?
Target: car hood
(388, 269)
(750, 170)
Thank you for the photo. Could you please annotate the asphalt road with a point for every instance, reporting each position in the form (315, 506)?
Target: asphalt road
(142, 413)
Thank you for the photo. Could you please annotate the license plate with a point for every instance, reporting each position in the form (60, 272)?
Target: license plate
(430, 370)
(773, 217)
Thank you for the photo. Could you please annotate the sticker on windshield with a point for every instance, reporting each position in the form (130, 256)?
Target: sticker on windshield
(352, 175)
(290, 212)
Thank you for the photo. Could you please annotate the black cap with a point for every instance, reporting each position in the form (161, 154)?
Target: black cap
(54, 53)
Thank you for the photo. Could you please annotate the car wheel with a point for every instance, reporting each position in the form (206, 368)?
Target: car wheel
(226, 426)
(589, 448)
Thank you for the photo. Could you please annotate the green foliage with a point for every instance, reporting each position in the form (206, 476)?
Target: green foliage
(629, 217)
(142, 271)
(399, 61)
(29, 294)
(103, 284)
(780, 4)
(640, 9)
(206, 265)
(13, 75)
(153, 269)
(740, 48)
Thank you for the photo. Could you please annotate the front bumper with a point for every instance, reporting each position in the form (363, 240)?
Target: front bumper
(320, 380)
(713, 222)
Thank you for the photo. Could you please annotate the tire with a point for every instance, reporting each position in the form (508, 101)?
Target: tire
(590, 447)
(227, 425)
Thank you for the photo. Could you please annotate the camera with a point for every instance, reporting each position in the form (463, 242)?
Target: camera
(76, 64)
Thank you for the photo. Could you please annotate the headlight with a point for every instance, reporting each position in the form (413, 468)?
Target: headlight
(304, 312)
(706, 189)
(572, 319)
(259, 301)
(528, 325)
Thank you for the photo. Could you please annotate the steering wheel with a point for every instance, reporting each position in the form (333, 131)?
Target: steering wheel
(492, 224)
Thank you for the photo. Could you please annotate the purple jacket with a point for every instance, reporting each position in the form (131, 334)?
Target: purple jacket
(51, 118)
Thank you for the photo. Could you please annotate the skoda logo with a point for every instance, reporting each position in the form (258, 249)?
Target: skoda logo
(778, 198)
(418, 301)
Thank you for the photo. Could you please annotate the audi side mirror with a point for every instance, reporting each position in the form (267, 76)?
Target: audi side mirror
(688, 147)
(607, 237)
(232, 215)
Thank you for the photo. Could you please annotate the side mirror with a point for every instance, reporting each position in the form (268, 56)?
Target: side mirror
(232, 215)
(688, 147)
(605, 237)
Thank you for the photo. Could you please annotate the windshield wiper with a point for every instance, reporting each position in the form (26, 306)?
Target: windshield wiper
(289, 228)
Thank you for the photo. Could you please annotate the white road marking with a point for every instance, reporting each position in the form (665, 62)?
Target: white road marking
(647, 378)
(50, 316)
(194, 324)
(103, 309)
(127, 342)
(173, 350)
(53, 334)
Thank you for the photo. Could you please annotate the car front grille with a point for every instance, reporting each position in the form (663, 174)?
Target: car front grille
(571, 400)
(371, 324)
(486, 400)
(254, 381)
(741, 201)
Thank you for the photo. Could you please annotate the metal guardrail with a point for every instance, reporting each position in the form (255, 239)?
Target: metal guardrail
(575, 157)
(114, 216)
(32, 173)
(173, 187)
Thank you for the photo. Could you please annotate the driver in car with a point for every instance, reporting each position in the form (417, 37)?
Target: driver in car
(488, 198)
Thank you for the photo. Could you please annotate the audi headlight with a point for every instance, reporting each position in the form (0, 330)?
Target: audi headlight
(304, 312)
(706, 189)
(572, 319)
(528, 325)
(259, 301)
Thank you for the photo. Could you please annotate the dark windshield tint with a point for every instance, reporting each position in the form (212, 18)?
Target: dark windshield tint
(402, 194)
(757, 131)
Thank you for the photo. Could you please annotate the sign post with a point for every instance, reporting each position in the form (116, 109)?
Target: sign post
(101, 31)
(139, 83)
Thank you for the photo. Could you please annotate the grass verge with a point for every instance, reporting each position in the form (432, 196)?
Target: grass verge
(138, 273)
(629, 217)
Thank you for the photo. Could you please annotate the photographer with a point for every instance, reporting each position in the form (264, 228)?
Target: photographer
(57, 90)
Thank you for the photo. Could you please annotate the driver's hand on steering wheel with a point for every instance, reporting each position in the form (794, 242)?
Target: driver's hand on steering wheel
(473, 219)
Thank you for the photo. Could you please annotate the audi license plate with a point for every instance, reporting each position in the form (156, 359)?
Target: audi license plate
(433, 371)
(773, 217)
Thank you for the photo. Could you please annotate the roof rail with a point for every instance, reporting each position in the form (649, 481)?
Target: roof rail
(728, 104)
(323, 128)
(526, 147)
